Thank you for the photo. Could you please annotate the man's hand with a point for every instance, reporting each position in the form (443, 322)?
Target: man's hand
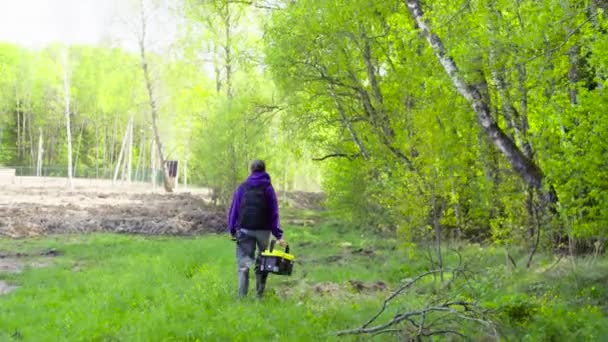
(282, 243)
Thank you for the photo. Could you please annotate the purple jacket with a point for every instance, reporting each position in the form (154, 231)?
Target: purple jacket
(255, 179)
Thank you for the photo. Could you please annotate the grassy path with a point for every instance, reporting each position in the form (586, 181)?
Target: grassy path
(118, 287)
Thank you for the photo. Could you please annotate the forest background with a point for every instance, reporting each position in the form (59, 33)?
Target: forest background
(477, 120)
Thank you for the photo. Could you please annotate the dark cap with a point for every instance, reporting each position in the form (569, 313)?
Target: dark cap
(258, 166)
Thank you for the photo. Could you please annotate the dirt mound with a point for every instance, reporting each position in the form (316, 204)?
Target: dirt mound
(327, 288)
(360, 286)
(42, 213)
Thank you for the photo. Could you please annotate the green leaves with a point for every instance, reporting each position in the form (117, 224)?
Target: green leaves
(314, 47)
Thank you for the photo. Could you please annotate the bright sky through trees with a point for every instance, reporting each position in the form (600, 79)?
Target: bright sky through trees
(37, 23)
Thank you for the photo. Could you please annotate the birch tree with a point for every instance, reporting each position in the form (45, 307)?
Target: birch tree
(66, 97)
(151, 98)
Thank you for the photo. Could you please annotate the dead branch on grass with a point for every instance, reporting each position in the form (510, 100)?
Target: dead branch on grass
(438, 318)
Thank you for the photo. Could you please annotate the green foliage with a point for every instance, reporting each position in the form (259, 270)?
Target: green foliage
(353, 85)
(369, 81)
(558, 322)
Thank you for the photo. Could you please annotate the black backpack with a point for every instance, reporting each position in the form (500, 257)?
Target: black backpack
(254, 211)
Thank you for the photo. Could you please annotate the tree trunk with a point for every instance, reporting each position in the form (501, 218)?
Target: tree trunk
(153, 164)
(27, 129)
(378, 118)
(228, 51)
(125, 154)
(437, 226)
(66, 89)
(77, 158)
(23, 132)
(142, 153)
(152, 102)
(31, 142)
(104, 138)
(523, 103)
(125, 140)
(217, 70)
(96, 150)
(39, 158)
(348, 125)
(49, 150)
(18, 110)
(104, 157)
(527, 169)
(113, 141)
(130, 149)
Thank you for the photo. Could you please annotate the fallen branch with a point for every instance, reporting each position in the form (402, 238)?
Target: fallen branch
(447, 307)
(396, 293)
(446, 318)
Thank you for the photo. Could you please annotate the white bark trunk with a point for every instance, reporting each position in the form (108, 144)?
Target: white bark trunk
(186, 174)
(130, 146)
(153, 164)
(122, 151)
(140, 158)
(528, 170)
(39, 158)
(153, 109)
(66, 89)
(96, 150)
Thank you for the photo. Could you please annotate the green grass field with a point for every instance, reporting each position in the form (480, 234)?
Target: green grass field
(133, 288)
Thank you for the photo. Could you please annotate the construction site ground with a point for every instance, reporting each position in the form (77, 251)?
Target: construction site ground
(35, 206)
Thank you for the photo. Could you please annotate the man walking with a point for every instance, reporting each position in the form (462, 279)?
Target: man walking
(254, 215)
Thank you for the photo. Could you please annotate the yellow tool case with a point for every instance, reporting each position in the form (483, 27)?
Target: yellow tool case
(276, 262)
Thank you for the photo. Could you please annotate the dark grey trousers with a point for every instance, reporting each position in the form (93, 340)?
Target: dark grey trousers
(246, 241)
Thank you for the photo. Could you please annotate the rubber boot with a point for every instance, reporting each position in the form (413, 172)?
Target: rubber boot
(243, 283)
(260, 284)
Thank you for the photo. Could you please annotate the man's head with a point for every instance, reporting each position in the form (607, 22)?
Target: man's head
(258, 166)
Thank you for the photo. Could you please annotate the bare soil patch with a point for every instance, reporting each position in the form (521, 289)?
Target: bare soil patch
(6, 288)
(10, 265)
(353, 286)
(35, 206)
(35, 211)
(361, 286)
(15, 262)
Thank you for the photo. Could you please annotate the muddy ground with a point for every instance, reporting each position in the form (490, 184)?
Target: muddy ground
(29, 208)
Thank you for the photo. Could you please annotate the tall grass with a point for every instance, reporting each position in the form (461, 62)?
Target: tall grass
(132, 288)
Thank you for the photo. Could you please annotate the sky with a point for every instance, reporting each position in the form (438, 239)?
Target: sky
(37, 23)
